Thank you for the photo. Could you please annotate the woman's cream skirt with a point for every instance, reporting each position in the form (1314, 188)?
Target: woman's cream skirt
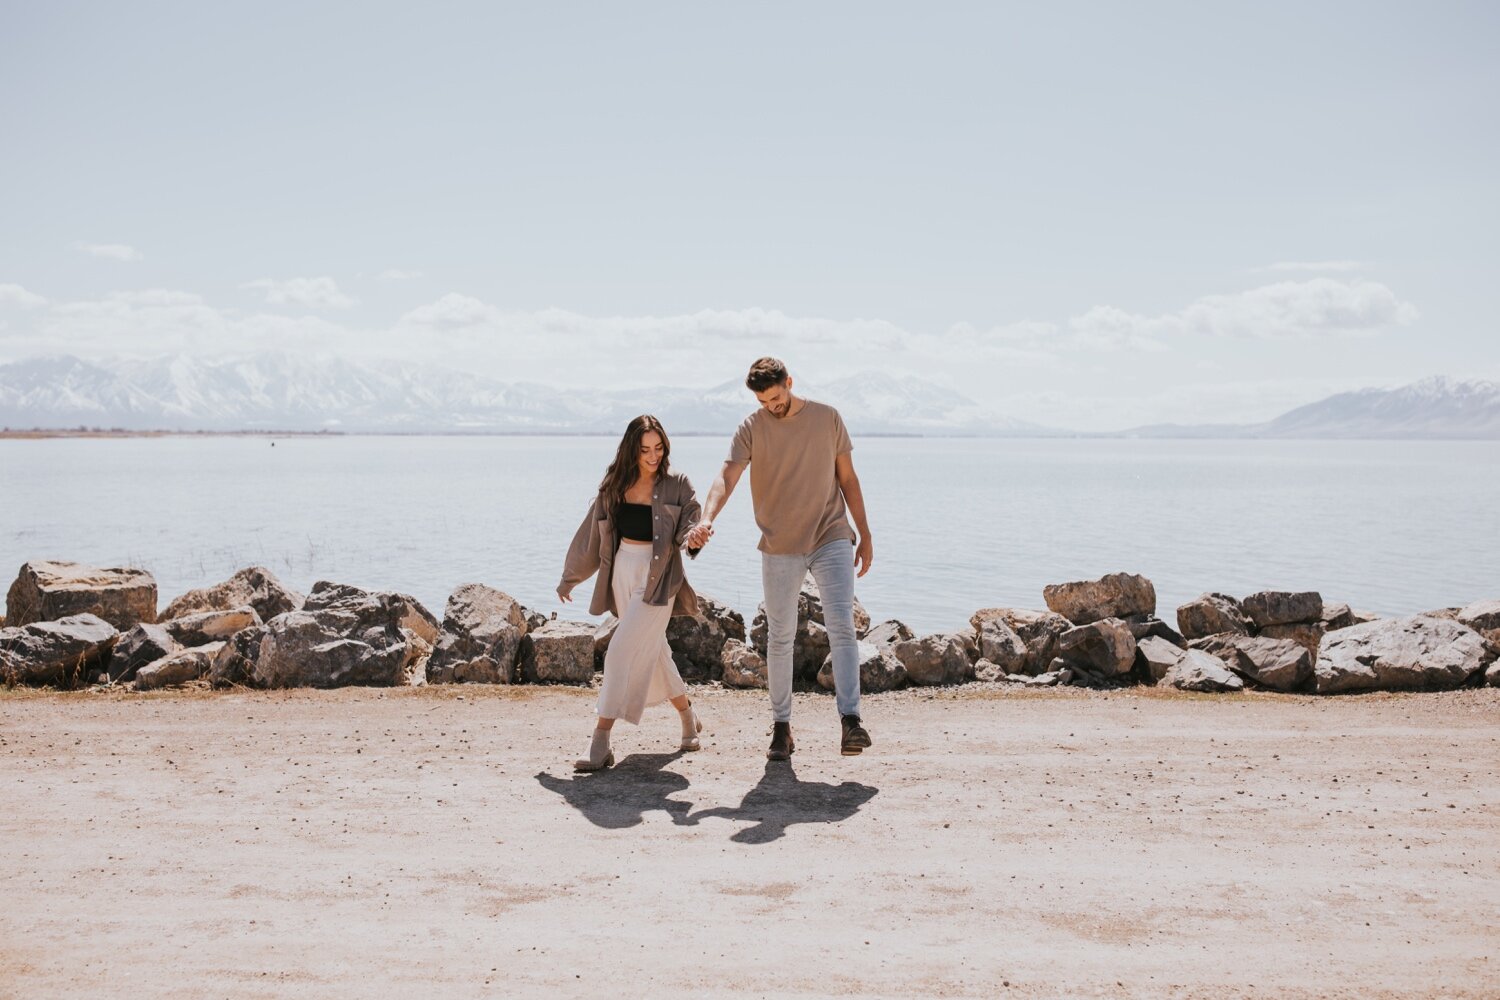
(638, 667)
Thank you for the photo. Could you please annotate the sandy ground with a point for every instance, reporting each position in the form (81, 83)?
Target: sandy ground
(415, 843)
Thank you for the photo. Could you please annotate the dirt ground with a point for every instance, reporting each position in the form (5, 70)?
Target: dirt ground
(993, 843)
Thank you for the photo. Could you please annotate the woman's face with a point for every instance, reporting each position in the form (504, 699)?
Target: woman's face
(650, 454)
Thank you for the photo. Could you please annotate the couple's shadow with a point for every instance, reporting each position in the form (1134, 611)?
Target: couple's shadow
(621, 796)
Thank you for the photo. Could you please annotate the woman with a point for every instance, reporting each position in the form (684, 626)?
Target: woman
(632, 536)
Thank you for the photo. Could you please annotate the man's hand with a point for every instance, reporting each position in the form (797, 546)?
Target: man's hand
(699, 534)
(864, 555)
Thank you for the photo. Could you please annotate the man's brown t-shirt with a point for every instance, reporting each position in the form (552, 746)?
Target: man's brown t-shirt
(798, 504)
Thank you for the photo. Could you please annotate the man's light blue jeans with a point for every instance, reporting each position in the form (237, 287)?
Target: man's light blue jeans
(832, 567)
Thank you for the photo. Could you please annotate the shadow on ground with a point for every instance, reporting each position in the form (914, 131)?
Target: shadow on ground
(621, 796)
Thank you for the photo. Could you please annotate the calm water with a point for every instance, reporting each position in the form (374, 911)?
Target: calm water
(1390, 527)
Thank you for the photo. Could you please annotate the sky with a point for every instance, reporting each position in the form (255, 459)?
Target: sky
(1089, 215)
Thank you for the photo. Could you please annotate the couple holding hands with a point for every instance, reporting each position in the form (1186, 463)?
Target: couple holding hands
(802, 482)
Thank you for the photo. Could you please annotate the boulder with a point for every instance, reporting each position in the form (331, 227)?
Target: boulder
(935, 659)
(254, 586)
(879, 669)
(602, 636)
(1401, 654)
(1492, 675)
(560, 652)
(1113, 596)
(1106, 645)
(142, 644)
(1003, 646)
(1142, 626)
(342, 636)
(235, 661)
(481, 638)
(889, 633)
(697, 641)
(988, 672)
(64, 652)
(742, 667)
(810, 639)
(1211, 614)
(1336, 616)
(48, 591)
(1196, 670)
(1481, 616)
(1308, 635)
(1283, 607)
(1279, 664)
(1155, 656)
(178, 668)
(1050, 678)
(1038, 629)
(204, 627)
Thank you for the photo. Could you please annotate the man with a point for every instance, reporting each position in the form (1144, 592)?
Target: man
(801, 482)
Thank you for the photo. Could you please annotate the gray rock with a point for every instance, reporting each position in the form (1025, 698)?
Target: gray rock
(810, 639)
(481, 638)
(1336, 616)
(1481, 616)
(1143, 626)
(1308, 635)
(987, 672)
(1401, 654)
(697, 641)
(1113, 596)
(1105, 645)
(602, 637)
(178, 668)
(1211, 614)
(889, 633)
(1279, 664)
(254, 586)
(935, 659)
(1002, 646)
(1200, 671)
(204, 627)
(48, 591)
(64, 652)
(1051, 678)
(1038, 629)
(1156, 656)
(342, 636)
(236, 660)
(1492, 675)
(1283, 607)
(140, 645)
(742, 666)
(879, 669)
(560, 652)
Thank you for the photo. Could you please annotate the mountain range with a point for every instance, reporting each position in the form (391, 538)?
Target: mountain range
(280, 392)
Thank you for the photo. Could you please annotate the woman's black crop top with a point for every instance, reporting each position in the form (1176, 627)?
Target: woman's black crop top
(634, 521)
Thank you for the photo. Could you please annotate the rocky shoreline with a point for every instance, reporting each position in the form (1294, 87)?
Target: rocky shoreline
(73, 626)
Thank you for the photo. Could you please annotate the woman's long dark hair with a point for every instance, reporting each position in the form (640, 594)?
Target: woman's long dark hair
(626, 468)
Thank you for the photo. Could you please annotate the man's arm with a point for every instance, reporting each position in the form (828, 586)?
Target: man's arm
(718, 496)
(854, 499)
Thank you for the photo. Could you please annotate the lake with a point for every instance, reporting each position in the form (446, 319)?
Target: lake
(1391, 527)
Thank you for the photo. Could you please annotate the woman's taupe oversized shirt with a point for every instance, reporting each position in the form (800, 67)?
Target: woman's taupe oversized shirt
(674, 511)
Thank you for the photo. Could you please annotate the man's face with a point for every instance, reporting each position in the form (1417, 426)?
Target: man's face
(778, 399)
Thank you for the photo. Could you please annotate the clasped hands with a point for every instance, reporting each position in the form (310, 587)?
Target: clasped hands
(699, 534)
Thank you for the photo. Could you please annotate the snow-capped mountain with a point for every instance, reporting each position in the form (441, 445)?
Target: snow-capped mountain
(1437, 407)
(281, 392)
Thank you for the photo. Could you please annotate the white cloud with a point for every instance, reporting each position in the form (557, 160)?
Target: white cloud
(1315, 265)
(453, 312)
(112, 251)
(312, 292)
(15, 295)
(1321, 306)
(396, 274)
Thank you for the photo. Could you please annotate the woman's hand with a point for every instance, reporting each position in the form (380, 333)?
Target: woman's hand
(566, 596)
(699, 534)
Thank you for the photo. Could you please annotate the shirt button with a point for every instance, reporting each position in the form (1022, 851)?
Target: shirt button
(656, 557)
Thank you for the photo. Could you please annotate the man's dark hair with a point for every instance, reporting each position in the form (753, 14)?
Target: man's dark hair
(765, 373)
